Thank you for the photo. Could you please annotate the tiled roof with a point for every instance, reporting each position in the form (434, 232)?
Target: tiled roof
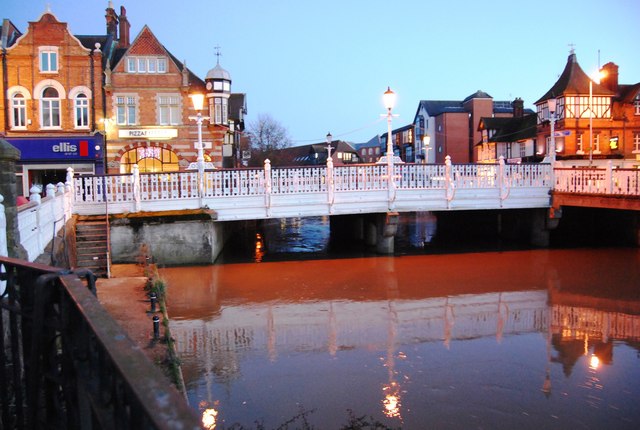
(573, 80)
(514, 129)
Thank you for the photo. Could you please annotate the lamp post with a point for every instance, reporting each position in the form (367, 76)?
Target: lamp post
(599, 76)
(329, 140)
(198, 101)
(551, 104)
(389, 100)
(426, 140)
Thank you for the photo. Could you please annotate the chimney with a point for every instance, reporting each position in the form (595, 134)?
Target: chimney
(112, 21)
(610, 78)
(518, 108)
(124, 29)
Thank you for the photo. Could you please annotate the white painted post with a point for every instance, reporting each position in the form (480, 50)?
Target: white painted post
(34, 194)
(136, 188)
(50, 190)
(267, 187)
(609, 177)
(330, 184)
(448, 179)
(503, 184)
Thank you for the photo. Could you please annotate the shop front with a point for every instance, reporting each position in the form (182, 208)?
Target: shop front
(45, 160)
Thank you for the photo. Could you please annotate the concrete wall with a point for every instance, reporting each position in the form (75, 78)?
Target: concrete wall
(172, 240)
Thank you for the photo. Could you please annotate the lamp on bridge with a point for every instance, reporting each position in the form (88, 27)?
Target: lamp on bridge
(198, 102)
(601, 74)
(551, 104)
(426, 140)
(329, 140)
(389, 100)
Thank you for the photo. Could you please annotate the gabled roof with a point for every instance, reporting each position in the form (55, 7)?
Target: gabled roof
(438, 107)
(477, 95)
(628, 93)
(511, 129)
(573, 80)
(9, 34)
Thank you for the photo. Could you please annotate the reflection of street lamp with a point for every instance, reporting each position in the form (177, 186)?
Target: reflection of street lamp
(329, 140)
(389, 100)
(600, 75)
(198, 101)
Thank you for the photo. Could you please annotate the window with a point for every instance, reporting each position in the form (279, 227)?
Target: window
(596, 143)
(169, 109)
(48, 59)
(579, 144)
(149, 159)
(523, 149)
(50, 108)
(81, 110)
(220, 110)
(146, 65)
(580, 107)
(126, 110)
(636, 142)
(636, 105)
(19, 111)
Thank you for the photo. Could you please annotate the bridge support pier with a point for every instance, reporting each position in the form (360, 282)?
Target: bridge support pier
(387, 226)
(540, 235)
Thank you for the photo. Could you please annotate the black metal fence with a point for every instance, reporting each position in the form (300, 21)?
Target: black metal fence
(66, 364)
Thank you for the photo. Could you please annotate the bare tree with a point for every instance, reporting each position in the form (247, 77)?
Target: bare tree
(266, 137)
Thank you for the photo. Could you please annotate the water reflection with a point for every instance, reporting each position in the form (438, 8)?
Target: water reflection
(499, 340)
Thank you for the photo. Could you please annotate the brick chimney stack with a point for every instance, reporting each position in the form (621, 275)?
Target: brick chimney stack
(518, 108)
(610, 79)
(112, 21)
(124, 41)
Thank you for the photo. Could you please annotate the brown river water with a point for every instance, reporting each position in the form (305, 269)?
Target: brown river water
(525, 339)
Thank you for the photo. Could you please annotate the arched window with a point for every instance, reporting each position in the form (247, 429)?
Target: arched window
(149, 159)
(81, 110)
(50, 108)
(19, 111)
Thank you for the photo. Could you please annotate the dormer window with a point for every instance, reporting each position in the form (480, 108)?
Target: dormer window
(636, 104)
(48, 59)
(146, 65)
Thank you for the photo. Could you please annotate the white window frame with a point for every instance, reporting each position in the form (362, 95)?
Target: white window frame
(50, 110)
(19, 111)
(126, 109)
(146, 65)
(48, 53)
(636, 105)
(636, 142)
(220, 110)
(169, 109)
(81, 111)
(580, 143)
(596, 143)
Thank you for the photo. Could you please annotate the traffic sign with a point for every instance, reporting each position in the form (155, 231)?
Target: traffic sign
(562, 133)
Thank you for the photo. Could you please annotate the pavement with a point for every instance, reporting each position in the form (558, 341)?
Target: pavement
(123, 295)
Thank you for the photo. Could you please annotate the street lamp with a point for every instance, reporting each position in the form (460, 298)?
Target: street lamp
(599, 76)
(329, 140)
(551, 104)
(389, 100)
(426, 140)
(198, 102)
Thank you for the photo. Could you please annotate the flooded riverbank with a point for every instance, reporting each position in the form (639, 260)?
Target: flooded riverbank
(517, 339)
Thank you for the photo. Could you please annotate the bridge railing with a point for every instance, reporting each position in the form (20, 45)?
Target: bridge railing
(598, 180)
(66, 364)
(130, 192)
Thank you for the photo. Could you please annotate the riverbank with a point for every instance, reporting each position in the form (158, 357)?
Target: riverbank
(125, 297)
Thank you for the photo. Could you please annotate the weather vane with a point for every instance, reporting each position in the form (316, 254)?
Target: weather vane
(218, 54)
(572, 47)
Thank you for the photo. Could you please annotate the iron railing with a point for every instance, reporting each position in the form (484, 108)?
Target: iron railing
(66, 364)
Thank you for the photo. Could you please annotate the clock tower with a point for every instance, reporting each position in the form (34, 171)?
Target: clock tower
(218, 84)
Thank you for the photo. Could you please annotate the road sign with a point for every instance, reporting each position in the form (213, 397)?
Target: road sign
(562, 133)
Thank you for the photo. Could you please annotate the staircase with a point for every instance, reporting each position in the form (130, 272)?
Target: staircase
(92, 245)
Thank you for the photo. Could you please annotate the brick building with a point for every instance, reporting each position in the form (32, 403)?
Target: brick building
(52, 104)
(452, 126)
(607, 114)
(148, 107)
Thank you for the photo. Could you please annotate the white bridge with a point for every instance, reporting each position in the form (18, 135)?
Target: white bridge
(240, 194)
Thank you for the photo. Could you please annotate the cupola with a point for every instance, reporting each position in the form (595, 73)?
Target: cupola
(218, 84)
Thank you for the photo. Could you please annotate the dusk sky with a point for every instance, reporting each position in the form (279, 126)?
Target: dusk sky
(320, 66)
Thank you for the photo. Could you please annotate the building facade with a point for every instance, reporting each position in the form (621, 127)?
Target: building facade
(450, 127)
(53, 100)
(594, 122)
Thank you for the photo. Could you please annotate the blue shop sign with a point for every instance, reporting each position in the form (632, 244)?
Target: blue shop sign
(86, 148)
